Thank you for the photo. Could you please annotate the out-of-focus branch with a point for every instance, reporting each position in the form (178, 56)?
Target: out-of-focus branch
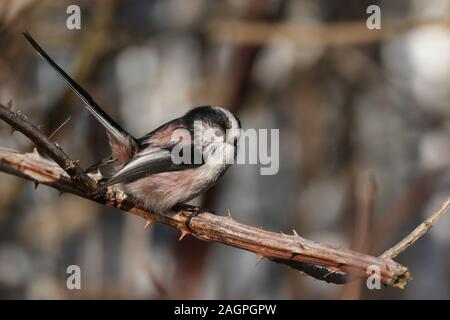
(366, 196)
(365, 191)
(333, 34)
(325, 262)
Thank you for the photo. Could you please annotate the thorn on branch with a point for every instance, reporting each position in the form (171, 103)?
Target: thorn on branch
(259, 258)
(35, 152)
(9, 104)
(97, 176)
(329, 274)
(293, 255)
(184, 233)
(300, 239)
(70, 166)
(148, 222)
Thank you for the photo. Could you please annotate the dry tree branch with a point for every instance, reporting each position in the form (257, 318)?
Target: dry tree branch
(325, 261)
(322, 261)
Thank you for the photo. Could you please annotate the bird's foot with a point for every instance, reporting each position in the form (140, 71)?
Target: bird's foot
(193, 212)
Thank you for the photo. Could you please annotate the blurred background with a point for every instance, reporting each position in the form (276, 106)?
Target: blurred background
(364, 118)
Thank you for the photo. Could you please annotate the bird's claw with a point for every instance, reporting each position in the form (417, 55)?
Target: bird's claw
(194, 211)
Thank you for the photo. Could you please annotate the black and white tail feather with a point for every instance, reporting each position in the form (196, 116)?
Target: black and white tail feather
(110, 125)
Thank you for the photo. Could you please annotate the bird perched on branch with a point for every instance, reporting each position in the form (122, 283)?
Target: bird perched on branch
(149, 168)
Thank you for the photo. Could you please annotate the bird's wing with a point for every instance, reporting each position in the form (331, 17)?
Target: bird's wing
(153, 160)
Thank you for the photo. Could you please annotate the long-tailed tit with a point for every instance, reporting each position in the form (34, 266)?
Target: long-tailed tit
(145, 167)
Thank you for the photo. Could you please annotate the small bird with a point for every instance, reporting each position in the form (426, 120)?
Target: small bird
(145, 167)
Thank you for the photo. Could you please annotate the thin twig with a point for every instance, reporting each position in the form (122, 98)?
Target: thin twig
(404, 208)
(418, 232)
(59, 128)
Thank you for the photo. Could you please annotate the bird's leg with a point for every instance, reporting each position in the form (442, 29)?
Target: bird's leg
(193, 210)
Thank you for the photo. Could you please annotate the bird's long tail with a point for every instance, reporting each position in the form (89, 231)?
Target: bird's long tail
(114, 129)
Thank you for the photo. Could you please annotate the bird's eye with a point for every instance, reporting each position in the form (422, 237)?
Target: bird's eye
(218, 133)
